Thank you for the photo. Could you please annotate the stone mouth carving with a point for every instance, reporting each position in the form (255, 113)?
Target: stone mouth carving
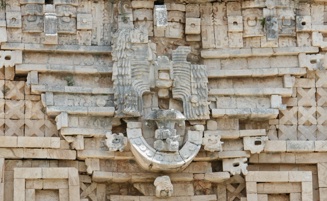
(166, 154)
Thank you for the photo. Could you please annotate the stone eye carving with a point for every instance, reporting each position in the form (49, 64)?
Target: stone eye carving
(116, 142)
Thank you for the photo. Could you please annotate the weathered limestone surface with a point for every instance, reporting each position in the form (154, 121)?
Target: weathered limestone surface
(181, 100)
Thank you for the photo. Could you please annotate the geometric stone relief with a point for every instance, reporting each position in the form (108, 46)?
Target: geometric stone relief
(254, 144)
(235, 166)
(92, 190)
(253, 178)
(116, 142)
(212, 142)
(232, 189)
(62, 183)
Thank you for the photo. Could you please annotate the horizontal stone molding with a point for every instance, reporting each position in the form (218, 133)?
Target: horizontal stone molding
(56, 48)
(55, 68)
(251, 52)
(265, 72)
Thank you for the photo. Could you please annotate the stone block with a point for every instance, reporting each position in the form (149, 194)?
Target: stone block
(251, 187)
(233, 154)
(142, 4)
(254, 197)
(14, 90)
(14, 109)
(57, 173)
(275, 146)
(317, 14)
(322, 175)
(235, 40)
(322, 194)
(276, 101)
(312, 61)
(303, 23)
(160, 16)
(233, 8)
(300, 176)
(267, 176)
(142, 15)
(307, 132)
(84, 21)
(14, 127)
(34, 128)
(34, 110)
(304, 39)
(99, 176)
(33, 22)
(252, 25)
(254, 144)
(235, 166)
(235, 23)
(300, 146)
(66, 2)
(27, 173)
(320, 146)
(192, 10)
(175, 6)
(217, 177)
(61, 154)
(19, 189)
(307, 193)
(14, 19)
(174, 30)
(163, 93)
(198, 167)
(193, 26)
(55, 184)
(34, 184)
(271, 25)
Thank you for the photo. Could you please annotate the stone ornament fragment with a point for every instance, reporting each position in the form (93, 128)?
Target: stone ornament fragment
(10, 58)
(160, 15)
(235, 166)
(164, 187)
(212, 142)
(313, 61)
(271, 24)
(166, 136)
(50, 26)
(116, 142)
(255, 144)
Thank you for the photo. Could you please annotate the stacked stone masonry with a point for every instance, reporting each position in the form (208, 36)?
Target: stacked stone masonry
(143, 100)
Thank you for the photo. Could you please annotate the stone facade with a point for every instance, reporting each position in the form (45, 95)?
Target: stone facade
(137, 100)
